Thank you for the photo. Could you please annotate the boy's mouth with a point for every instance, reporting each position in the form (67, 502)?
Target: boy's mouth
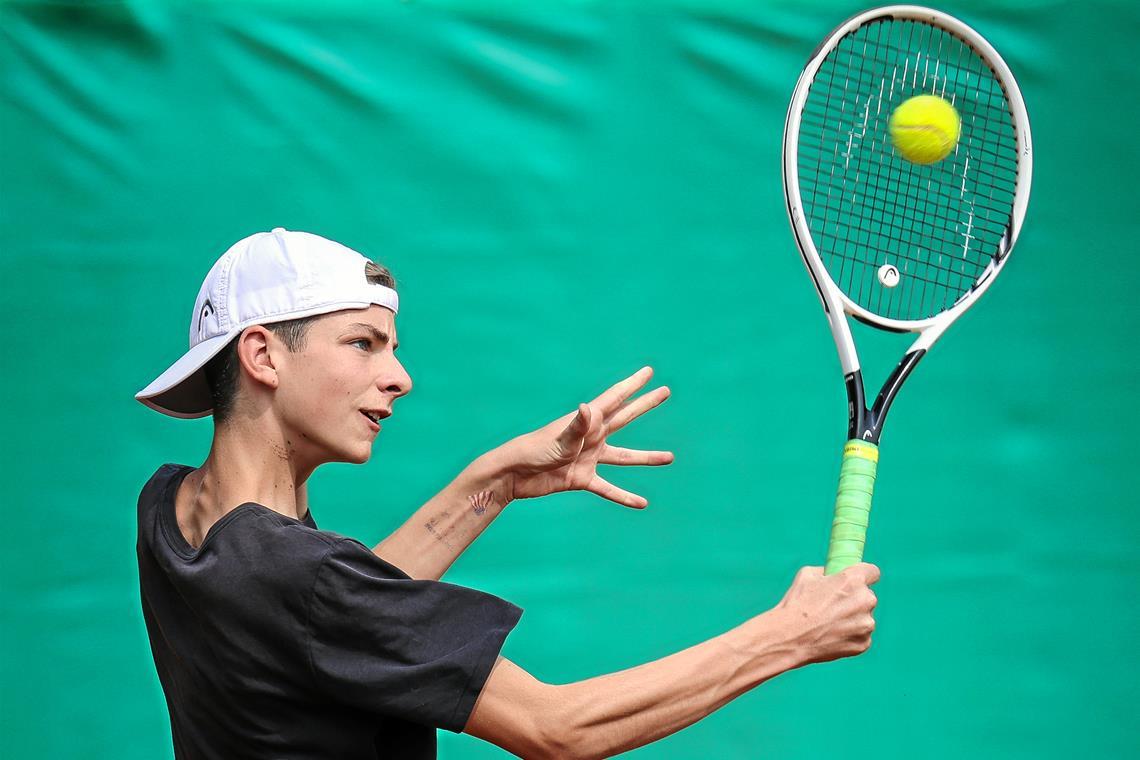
(375, 415)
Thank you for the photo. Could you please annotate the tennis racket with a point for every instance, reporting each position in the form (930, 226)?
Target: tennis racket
(900, 246)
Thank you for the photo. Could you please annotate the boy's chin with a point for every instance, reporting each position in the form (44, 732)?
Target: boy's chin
(360, 456)
(358, 453)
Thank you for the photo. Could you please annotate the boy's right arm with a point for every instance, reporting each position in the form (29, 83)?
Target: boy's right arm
(820, 618)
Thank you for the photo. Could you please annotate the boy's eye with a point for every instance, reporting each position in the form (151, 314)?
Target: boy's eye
(367, 343)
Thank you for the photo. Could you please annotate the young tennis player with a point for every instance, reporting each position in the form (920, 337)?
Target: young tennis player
(274, 639)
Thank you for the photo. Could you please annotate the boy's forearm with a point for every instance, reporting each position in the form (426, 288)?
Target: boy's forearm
(439, 531)
(617, 712)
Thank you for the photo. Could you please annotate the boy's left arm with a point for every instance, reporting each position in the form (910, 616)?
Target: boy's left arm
(427, 544)
(562, 456)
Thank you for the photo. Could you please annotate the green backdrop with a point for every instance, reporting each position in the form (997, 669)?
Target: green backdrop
(567, 191)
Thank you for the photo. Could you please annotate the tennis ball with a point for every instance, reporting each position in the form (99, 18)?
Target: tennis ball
(924, 129)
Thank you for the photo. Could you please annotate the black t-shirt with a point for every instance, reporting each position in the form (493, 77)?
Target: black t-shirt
(278, 640)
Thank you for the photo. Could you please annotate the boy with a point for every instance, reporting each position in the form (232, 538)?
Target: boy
(273, 638)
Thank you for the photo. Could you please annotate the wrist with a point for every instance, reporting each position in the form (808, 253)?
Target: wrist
(779, 639)
(490, 474)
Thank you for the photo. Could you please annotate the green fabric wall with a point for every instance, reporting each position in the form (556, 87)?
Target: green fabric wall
(567, 191)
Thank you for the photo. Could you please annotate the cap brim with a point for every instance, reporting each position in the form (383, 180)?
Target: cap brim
(182, 391)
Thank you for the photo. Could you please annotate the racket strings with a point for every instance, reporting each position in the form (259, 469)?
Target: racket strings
(926, 204)
(923, 206)
(939, 225)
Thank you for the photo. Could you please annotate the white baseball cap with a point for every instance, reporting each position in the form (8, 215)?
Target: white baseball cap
(267, 277)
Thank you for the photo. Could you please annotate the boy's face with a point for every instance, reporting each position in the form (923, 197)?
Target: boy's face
(347, 367)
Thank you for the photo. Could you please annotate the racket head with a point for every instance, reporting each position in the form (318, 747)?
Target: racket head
(856, 206)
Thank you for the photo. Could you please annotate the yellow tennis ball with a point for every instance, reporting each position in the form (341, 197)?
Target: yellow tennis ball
(924, 129)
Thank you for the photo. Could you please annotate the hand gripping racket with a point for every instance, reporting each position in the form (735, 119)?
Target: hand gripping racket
(900, 246)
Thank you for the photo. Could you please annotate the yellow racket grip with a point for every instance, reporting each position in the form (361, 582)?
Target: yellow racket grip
(852, 505)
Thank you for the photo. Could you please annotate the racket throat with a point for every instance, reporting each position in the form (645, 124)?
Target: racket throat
(867, 423)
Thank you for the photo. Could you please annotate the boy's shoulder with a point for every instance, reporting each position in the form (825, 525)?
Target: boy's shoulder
(250, 541)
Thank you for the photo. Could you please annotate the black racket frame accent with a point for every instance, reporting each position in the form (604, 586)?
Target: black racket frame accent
(867, 424)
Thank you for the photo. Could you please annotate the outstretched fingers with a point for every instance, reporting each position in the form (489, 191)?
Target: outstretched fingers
(607, 490)
(612, 399)
(634, 457)
(639, 406)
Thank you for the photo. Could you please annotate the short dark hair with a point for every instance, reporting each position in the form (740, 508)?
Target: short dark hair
(223, 370)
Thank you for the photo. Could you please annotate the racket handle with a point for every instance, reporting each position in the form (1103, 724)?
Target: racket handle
(852, 505)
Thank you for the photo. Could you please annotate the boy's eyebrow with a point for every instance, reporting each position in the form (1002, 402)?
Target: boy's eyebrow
(378, 335)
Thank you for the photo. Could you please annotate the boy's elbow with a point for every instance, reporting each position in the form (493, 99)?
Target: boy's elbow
(562, 732)
(554, 732)
(526, 717)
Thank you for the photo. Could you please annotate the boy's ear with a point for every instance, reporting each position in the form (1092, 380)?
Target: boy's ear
(255, 349)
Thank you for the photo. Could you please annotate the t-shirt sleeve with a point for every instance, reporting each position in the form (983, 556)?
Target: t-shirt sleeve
(417, 650)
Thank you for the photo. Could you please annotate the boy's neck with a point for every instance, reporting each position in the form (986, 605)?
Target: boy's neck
(250, 464)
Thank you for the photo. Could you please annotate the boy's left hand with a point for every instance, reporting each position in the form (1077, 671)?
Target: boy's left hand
(564, 455)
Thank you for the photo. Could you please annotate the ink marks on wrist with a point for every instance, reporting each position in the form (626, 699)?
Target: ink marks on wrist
(441, 527)
(480, 501)
(440, 535)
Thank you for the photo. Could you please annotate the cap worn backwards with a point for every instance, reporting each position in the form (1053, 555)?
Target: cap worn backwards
(264, 278)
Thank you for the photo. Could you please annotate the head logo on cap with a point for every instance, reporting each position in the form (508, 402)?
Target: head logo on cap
(207, 311)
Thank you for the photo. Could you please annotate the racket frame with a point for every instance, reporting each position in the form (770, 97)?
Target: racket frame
(861, 453)
(866, 423)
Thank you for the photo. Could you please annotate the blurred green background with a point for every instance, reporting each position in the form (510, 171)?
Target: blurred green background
(567, 191)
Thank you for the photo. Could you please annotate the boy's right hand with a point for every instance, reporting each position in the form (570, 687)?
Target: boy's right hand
(830, 616)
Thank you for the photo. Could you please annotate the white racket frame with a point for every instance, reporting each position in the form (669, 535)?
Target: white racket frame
(836, 303)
